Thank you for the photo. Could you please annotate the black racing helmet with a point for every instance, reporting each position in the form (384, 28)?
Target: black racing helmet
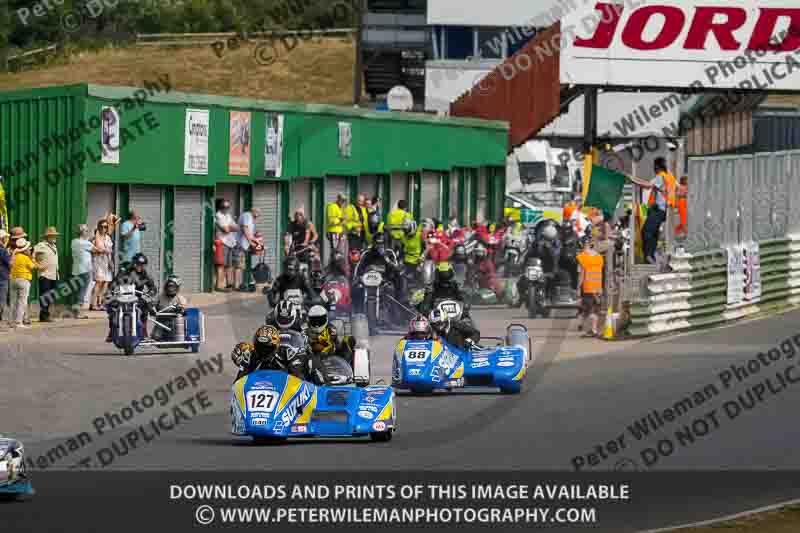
(172, 286)
(445, 273)
(139, 260)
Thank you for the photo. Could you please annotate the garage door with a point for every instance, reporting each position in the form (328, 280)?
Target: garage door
(469, 216)
(399, 189)
(334, 186)
(100, 201)
(483, 198)
(146, 201)
(451, 210)
(266, 197)
(430, 204)
(299, 196)
(188, 237)
(230, 191)
(368, 185)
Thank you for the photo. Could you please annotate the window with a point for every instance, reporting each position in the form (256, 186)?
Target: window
(561, 179)
(459, 42)
(491, 43)
(533, 172)
(518, 37)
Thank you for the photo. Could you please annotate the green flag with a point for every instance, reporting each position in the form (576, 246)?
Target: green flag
(605, 190)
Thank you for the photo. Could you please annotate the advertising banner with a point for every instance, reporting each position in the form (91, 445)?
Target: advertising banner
(273, 147)
(345, 139)
(109, 135)
(730, 44)
(735, 274)
(239, 145)
(196, 147)
(752, 275)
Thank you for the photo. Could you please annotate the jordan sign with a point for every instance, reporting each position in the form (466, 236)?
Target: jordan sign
(720, 44)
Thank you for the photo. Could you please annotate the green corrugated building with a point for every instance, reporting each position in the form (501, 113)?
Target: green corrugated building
(55, 174)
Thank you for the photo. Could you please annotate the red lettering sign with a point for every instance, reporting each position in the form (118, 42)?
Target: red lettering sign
(701, 26)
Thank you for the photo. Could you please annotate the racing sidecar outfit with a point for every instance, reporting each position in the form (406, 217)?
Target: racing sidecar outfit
(143, 283)
(286, 283)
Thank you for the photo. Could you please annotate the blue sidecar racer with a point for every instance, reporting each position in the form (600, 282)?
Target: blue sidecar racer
(423, 365)
(14, 481)
(279, 394)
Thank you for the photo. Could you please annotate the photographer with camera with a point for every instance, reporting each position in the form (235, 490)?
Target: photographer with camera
(131, 237)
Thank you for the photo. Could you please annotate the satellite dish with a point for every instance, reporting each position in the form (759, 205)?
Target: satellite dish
(400, 99)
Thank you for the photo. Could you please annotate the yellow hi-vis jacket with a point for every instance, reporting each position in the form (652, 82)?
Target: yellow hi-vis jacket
(351, 218)
(333, 214)
(396, 222)
(412, 248)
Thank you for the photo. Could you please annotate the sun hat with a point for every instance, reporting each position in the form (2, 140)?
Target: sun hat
(22, 245)
(51, 232)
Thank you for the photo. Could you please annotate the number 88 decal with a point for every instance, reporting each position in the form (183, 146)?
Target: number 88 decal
(417, 355)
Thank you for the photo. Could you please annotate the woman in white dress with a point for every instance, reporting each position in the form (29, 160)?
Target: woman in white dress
(102, 264)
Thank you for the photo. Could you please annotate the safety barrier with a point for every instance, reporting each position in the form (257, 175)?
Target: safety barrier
(696, 293)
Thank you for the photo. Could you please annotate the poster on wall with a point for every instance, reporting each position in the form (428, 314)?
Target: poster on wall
(273, 147)
(735, 275)
(196, 148)
(239, 145)
(109, 135)
(752, 272)
(345, 139)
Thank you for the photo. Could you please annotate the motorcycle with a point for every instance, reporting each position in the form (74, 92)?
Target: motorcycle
(513, 254)
(335, 293)
(271, 405)
(375, 285)
(536, 289)
(187, 331)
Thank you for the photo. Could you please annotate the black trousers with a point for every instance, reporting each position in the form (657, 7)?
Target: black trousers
(47, 295)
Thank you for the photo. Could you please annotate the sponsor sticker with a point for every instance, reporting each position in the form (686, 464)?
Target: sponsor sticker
(300, 428)
(415, 372)
(365, 414)
(480, 364)
(258, 422)
(505, 363)
(373, 408)
(379, 426)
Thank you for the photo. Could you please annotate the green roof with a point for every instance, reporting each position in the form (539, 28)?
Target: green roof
(174, 97)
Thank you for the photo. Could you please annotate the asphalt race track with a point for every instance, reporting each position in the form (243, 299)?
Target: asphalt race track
(577, 409)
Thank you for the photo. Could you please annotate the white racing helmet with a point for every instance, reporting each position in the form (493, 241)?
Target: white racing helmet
(317, 319)
(550, 232)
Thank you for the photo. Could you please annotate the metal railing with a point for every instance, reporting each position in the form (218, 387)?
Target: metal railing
(198, 39)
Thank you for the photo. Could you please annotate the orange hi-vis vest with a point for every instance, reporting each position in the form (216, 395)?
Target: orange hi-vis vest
(593, 272)
(671, 184)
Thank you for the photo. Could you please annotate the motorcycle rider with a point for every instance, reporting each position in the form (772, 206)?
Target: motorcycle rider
(397, 220)
(458, 333)
(419, 329)
(286, 316)
(134, 273)
(444, 287)
(324, 339)
(378, 254)
(546, 248)
(169, 298)
(264, 353)
(413, 248)
(290, 280)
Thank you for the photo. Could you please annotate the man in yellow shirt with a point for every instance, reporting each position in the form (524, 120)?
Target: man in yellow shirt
(357, 215)
(396, 223)
(591, 285)
(334, 216)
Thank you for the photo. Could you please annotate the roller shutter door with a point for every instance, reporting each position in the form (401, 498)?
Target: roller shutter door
(333, 187)
(430, 195)
(266, 197)
(230, 191)
(469, 217)
(399, 189)
(368, 186)
(189, 238)
(299, 196)
(100, 201)
(483, 198)
(451, 210)
(146, 201)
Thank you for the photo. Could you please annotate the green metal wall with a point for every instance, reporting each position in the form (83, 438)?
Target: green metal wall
(38, 196)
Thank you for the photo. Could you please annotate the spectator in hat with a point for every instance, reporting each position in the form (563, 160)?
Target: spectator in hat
(5, 272)
(82, 249)
(103, 263)
(22, 267)
(46, 255)
(17, 232)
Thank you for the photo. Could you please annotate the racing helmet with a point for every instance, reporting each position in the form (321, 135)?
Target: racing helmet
(124, 268)
(480, 251)
(172, 286)
(444, 272)
(242, 353)
(291, 267)
(317, 319)
(419, 329)
(266, 342)
(355, 256)
(428, 224)
(460, 252)
(440, 322)
(549, 232)
(286, 314)
(339, 261)
(139, 260)
(410, 227)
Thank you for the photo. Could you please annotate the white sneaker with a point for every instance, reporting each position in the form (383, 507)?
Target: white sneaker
(23, 326)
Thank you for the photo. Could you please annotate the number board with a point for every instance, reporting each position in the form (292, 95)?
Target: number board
(262, 401)
(417, 356)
